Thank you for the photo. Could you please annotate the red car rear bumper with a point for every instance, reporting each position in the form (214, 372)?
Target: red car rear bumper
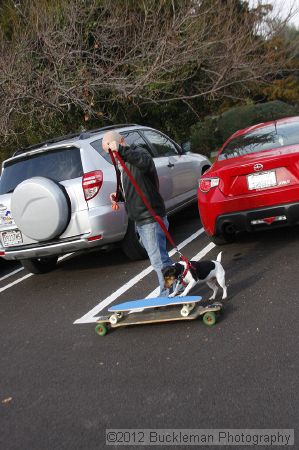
(217, 210)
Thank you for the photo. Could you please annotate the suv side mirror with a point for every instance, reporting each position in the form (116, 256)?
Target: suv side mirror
(186, 146)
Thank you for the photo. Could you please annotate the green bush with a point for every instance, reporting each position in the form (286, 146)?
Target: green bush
(209, 135)
(204, 136)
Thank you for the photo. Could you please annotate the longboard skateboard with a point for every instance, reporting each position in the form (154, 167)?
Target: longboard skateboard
(173, 312)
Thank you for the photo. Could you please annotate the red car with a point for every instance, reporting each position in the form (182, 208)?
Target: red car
(254, 182)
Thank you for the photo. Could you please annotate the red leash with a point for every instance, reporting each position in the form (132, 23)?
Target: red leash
(115, 155)
(118, 181)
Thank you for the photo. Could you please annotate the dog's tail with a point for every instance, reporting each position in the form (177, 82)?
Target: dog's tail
(219, 257)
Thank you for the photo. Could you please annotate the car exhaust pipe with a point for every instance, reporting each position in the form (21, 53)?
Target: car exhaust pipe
(229, 229)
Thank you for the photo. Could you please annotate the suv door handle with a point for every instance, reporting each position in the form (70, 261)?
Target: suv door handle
(170, 164)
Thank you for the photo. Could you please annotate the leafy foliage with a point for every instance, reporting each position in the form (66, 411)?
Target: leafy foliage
(80, 64)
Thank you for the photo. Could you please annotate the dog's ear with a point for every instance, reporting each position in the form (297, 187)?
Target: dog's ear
(168, 271)
(179, 269)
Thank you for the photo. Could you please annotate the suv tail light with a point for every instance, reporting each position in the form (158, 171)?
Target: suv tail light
(92, 183)
(205, 184)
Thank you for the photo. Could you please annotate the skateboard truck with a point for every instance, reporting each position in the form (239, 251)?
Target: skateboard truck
(186, 309)
(115, 318)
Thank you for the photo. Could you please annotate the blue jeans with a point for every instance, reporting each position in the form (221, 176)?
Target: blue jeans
(154, 241)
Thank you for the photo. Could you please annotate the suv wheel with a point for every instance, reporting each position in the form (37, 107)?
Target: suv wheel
(40, 265)
(132, 245)
(192, 211)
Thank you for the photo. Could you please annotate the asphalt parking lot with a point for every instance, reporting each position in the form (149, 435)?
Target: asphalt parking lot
(62, 385)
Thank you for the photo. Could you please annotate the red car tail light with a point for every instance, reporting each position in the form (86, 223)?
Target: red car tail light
(92, 183)
(206, 184)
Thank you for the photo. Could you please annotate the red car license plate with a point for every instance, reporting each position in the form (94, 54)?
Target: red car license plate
(262, 180)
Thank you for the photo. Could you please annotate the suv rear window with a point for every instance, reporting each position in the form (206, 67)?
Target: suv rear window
(262, 139)
(59, 165)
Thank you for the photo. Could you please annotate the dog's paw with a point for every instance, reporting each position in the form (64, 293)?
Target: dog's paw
(171, 295)
(212, 298)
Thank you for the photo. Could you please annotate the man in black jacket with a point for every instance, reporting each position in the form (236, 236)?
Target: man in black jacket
(141, 165)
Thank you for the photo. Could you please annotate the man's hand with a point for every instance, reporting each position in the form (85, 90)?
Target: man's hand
(113, 146)
(114, 204)
(113, 197)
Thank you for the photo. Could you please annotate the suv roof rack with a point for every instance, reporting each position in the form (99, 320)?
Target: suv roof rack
(80, 135)
(49, 141)
(88, 133)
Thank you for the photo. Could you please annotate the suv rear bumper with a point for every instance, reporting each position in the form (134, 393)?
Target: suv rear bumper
(51, 249)
(287, 214)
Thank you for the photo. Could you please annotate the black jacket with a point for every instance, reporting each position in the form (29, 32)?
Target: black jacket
(143, 169)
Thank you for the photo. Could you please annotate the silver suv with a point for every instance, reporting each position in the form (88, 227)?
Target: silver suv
(54, 196)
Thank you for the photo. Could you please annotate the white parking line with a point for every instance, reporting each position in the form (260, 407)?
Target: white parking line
(10, 274)
(90, 317)
(19, 280)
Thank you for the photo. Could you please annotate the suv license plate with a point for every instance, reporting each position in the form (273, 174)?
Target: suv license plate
(10, 238)
(262, 180)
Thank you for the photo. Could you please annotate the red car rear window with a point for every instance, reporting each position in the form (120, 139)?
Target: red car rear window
(265, 138)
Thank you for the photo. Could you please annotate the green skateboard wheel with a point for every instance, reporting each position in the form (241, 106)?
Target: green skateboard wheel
(101, 329)
(209, 318)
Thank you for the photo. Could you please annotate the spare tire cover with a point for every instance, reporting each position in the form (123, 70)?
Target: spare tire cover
(40, 208)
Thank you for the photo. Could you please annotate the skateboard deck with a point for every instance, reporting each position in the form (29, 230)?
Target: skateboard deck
(158, 316)
(155, 302)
